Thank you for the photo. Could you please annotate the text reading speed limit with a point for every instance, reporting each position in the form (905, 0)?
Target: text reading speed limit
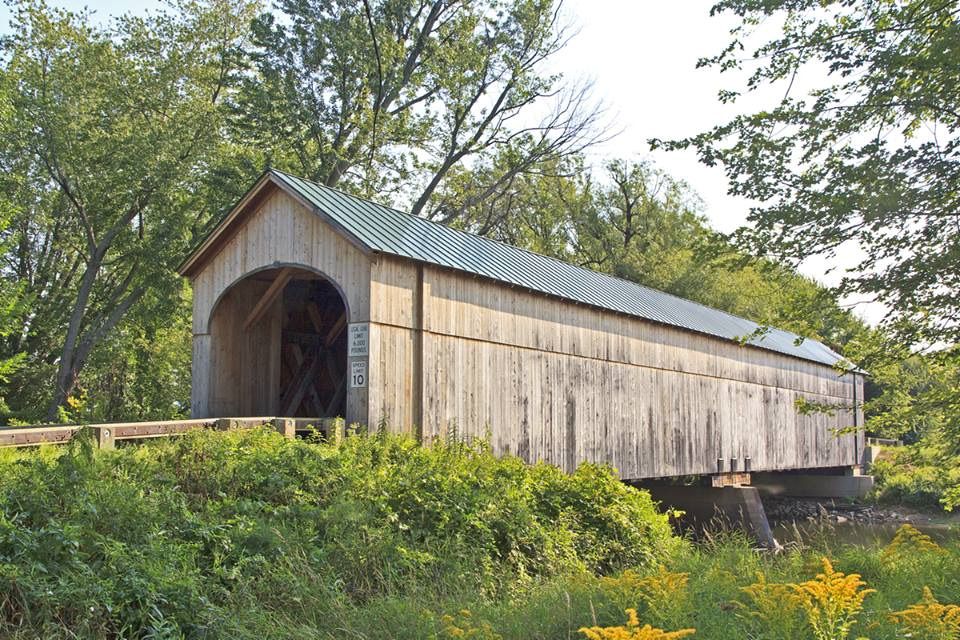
(358, 374)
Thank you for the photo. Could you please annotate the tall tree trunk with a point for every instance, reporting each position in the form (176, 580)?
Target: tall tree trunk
(77, 346)
(66, 369)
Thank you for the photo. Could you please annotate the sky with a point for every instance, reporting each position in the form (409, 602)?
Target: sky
(641, 58)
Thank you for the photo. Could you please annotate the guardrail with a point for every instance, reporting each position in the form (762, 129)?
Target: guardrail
(107, 434)
(884, 442)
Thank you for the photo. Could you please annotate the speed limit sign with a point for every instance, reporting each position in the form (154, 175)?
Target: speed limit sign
(358, 374)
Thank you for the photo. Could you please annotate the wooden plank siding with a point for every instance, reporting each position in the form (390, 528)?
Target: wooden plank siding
(282, 232)
(555, 381)
(246, 361)
(542, 377)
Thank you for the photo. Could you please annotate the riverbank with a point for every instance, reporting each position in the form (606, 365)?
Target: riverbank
(783, 511)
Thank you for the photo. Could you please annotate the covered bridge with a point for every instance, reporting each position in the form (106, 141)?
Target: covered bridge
(310, 302)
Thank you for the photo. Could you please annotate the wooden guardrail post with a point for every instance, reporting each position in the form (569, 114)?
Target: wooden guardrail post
(287, 427)
(104, 437)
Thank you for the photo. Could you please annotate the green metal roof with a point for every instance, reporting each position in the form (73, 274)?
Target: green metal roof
(394, 232)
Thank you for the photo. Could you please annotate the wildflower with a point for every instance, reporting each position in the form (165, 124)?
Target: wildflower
(832, 601)
(464, 626)
(929, 620)
(633, 631)
(774, 606)
(664, 592)
(909, 539)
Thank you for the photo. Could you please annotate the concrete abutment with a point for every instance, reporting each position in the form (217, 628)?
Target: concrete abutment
(707, 507)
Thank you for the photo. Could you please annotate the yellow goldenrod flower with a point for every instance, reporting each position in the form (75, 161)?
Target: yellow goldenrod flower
(832, 601)
(929, 619)
(909, 539)
(633, 631)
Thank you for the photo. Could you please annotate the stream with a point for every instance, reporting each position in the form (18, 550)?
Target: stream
(799, 521)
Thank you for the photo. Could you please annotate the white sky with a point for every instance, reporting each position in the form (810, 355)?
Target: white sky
(641, 56)
(642, 59)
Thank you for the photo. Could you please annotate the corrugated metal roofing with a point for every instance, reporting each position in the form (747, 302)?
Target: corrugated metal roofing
(401, 234)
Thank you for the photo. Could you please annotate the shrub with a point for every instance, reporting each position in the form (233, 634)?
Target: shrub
(167, 539)
(916, 475)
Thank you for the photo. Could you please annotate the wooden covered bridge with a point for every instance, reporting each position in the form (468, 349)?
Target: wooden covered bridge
(311, 302)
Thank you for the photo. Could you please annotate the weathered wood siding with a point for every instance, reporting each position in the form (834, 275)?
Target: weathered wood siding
(282, 232)
(555, 381)
(395, 343)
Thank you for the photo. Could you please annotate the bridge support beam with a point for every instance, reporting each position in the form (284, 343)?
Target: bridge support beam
(729, 505)
(812, 485)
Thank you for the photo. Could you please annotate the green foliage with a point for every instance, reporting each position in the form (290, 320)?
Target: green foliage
(172, 539)
(249, 535)
(713, 600)
(866, 159)
(140, 372)
(922, 475)
(920, 398)
(389, 98)
(915, 398)
(108, 134)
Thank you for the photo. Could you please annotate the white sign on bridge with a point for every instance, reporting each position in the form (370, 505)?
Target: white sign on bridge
(359, 339)
(358, 374)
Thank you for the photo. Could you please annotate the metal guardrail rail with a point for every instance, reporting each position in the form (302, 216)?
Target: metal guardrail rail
(107, 434)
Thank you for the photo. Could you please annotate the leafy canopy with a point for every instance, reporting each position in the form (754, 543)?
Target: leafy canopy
(388, 97)
(107, 136)
(869, 158)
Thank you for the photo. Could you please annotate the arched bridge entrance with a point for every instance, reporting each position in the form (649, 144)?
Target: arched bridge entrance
(279, 346)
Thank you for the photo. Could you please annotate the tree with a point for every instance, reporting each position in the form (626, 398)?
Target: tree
(109, 132)
(870, 158)
(537, 209)
(389, 97)
(643, 225)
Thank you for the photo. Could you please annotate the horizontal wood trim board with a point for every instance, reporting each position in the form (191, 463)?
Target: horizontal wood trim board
(36, 435)
(614, 361)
